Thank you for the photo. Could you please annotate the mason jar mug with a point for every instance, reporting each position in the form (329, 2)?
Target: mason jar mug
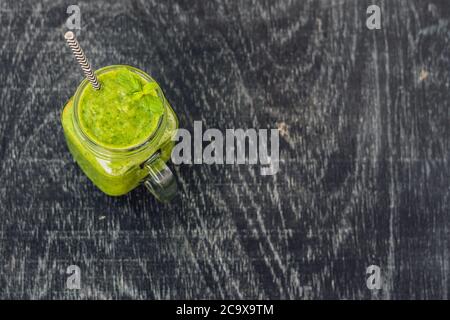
(118, 170)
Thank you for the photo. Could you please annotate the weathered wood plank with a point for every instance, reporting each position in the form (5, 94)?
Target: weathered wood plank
(364, 174)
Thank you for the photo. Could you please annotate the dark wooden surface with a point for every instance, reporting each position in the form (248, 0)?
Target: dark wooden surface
(364, 174)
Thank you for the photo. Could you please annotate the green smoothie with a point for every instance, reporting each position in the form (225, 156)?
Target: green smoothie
(128, 111)
(123, 113)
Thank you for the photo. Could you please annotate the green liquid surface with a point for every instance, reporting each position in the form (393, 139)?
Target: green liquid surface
(124, 113)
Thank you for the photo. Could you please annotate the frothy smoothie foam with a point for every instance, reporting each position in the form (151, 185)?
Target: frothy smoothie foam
(124, 113)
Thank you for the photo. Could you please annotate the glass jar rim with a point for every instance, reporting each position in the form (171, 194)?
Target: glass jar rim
(94, 145)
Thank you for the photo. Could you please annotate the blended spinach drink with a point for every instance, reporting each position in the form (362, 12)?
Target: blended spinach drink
(124, 113)
(120, 134)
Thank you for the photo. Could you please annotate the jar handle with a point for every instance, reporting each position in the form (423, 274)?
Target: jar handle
(160, 180)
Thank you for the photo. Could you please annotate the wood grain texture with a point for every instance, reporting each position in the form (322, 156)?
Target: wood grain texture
(364, 175)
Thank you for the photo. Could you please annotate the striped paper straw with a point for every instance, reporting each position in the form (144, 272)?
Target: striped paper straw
(81, 58)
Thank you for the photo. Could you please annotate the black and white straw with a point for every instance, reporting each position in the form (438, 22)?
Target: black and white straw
(81, 58)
